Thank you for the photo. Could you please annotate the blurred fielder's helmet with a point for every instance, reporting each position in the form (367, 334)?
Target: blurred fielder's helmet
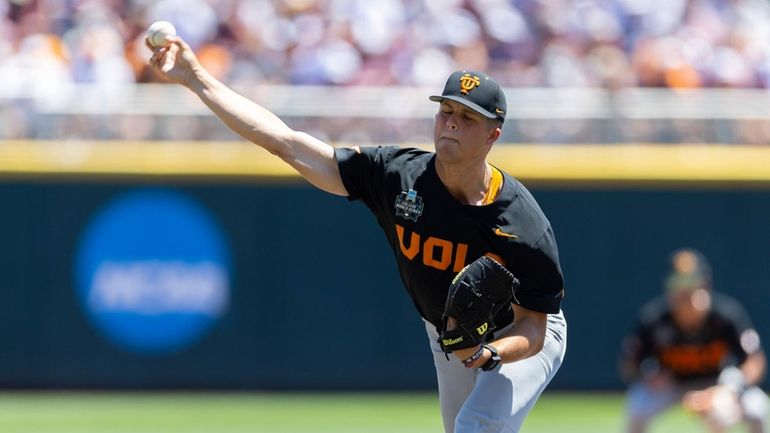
(690, 270)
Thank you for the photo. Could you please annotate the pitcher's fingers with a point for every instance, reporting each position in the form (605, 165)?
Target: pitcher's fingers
(179, 42)
(148, 44)
(158, 57)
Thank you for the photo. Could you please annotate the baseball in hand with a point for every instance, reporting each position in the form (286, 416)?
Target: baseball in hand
(158, 32)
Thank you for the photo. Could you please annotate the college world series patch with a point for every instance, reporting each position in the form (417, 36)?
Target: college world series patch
(409, 205)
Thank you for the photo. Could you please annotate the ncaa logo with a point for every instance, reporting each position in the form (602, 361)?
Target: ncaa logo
(152, 271)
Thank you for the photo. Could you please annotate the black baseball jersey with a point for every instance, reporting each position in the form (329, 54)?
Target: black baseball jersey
(725, 339)
(434, 236)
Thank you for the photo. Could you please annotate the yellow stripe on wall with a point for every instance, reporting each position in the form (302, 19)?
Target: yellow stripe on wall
(637, 163)
(139, 159)
(607, 165)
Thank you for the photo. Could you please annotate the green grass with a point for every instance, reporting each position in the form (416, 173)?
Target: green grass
(293, 413)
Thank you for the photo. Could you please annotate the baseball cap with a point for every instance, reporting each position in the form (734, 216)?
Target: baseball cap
(689, 271)
(477, 91)
(676, 283)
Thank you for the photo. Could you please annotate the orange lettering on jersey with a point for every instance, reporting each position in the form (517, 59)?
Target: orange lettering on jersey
(462, 251)
(496, 258)
(689, 359)
(414, 243)
(448, 253)
(429, 253)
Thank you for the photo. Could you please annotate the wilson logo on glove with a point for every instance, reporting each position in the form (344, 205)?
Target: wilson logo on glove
(451, 342)
(483, 328)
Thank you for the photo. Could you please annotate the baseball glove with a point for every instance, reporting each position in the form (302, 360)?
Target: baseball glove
(478, 292)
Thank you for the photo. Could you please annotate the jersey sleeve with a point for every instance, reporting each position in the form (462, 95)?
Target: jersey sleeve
(637, 348)
(745, 339)
(538, 269)
(363, 170)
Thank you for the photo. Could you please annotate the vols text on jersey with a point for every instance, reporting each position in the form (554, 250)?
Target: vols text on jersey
(437, 253)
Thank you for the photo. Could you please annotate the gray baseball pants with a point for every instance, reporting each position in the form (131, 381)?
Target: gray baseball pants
(496, 401)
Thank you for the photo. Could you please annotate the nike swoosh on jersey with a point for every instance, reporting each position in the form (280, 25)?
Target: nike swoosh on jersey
(501, 233)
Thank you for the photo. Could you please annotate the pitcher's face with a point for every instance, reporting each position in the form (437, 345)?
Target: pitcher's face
(461, 133)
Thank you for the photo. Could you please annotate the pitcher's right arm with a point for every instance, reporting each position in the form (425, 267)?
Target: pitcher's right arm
(310, 157)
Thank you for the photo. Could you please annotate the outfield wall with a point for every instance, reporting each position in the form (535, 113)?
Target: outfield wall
(293, 288)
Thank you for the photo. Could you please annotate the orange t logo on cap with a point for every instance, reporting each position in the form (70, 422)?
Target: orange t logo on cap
(468, 83)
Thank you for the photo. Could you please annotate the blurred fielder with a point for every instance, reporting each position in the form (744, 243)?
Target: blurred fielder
(695, 347)
(474, 250)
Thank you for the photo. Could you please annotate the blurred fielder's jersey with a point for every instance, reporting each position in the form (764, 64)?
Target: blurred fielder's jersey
(727, 338)
(434, 236)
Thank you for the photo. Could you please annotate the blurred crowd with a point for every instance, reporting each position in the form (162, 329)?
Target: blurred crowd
(47, 45)
(606, 43)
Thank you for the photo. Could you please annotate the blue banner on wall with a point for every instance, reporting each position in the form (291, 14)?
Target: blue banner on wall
(153, 272)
